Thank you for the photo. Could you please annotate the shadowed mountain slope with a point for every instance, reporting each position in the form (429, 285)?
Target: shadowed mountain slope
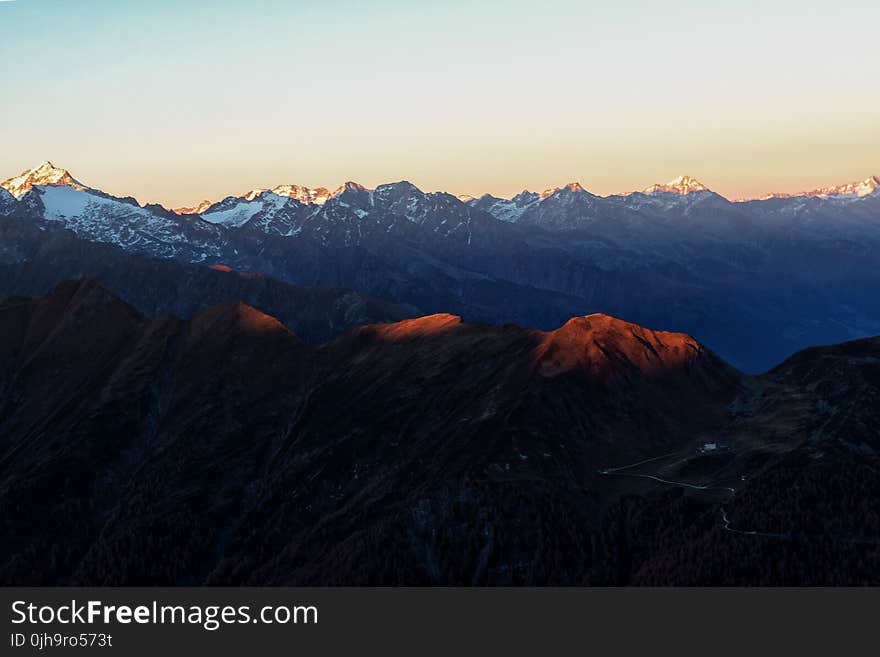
(224, 450)
(33, 262)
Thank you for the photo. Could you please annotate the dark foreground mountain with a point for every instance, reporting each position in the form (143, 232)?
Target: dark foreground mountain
(224, 450)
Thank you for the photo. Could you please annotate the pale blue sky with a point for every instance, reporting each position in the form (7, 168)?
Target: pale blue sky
(175, 102)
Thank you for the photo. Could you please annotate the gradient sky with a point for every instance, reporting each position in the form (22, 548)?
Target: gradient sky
(175, 102)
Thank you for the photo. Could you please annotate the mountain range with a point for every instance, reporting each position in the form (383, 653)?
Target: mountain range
(754, 280)
(222, 449)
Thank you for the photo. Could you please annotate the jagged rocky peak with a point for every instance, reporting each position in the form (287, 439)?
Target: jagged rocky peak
(254, 194)
(349, 186)
(572, 188)
(42, 174)
(195, 209)
(525, 196)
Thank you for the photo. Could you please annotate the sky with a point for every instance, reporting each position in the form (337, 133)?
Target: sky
(176, 102)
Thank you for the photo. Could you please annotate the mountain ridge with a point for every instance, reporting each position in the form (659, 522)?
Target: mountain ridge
(458, 459)
(692, 262)
(48, 174)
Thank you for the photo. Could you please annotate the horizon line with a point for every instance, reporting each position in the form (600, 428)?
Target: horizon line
(684, 179)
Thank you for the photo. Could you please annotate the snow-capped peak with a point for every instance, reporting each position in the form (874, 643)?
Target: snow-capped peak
(317, 196)
(852, 190)
(43, 174)
(305, 195)
(681, 185)
(867, 186)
